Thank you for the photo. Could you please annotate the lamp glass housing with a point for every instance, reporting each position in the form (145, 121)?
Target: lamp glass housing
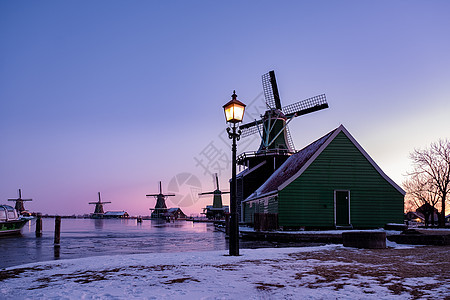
(234, 111)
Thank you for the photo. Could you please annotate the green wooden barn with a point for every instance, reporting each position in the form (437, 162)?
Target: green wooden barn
(331, 183)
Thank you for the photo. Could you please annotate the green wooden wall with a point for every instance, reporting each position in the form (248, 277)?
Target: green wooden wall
(265, 205)
(309, 200)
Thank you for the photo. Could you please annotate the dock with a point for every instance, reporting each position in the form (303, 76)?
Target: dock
(409, 236)
(328, 237)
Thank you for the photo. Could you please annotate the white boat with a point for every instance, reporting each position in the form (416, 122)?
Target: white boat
(10, 222)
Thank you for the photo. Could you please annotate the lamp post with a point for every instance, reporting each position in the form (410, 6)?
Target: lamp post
(234, 113)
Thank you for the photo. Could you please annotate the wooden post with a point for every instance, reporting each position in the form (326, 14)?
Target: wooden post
(227, 224)
(56, 252)
(39, 225)
(57, 230)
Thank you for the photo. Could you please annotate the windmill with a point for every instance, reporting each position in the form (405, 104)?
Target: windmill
(19, 203)
(160, 207)
(273, 125)
(276, 142)
(98, 212)
(217, 210)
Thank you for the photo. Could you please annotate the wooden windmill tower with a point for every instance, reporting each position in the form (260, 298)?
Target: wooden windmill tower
(160, 207)
(98, 212)
(276, 142)
(19, 203)
(217, 210)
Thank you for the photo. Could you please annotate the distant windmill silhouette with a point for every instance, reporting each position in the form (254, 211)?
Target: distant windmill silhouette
(19, 202)
(160, 207)
(98, 212)
(217, 210)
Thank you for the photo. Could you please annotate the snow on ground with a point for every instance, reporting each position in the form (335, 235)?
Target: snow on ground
(325, 272)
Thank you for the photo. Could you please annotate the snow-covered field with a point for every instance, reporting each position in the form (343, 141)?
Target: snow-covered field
(325, 272)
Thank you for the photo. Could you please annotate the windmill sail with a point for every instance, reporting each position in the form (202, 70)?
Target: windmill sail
(270, 89)
(289, 139)
(306, 106)
(272, 127)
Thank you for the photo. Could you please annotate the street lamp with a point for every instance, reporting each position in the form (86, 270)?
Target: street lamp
(234, 113)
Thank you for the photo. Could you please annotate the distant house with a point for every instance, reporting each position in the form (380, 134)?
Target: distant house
(430, 215)
(330, 183)
(414, 216)
(425, 214)
(115, 215)
(214, 213)
(175, 213)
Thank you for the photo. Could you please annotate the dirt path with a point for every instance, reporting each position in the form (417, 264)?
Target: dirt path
(390, 267)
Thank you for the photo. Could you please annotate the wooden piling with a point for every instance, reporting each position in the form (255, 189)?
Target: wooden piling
(39, 225)
(227, 224)
(56, 252)
(57, 230)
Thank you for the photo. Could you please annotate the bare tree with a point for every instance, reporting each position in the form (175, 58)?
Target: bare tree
(409, 204)
(433, 164)
(422, 194)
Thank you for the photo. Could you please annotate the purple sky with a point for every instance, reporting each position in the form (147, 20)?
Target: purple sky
(113, 96)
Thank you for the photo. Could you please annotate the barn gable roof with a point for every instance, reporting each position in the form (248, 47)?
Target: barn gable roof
(297, 163)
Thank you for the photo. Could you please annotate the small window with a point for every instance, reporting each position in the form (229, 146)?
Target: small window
(12, 214)
(2, 214)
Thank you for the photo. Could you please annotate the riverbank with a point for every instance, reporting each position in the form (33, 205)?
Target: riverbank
(412, 236)
(324, 272)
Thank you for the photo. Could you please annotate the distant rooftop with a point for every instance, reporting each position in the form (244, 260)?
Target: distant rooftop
(115, 213)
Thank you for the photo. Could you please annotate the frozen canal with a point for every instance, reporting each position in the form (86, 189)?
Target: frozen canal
(92, 237)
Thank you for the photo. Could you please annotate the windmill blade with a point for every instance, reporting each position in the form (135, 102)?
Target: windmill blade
(216, 181)
(213, 193)
(289, 139)
(206, 193)
(306, 106)
(251, 124)
(152, 195)
(270, 89)
(251, 128)
(250, 131)
(169, 195)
